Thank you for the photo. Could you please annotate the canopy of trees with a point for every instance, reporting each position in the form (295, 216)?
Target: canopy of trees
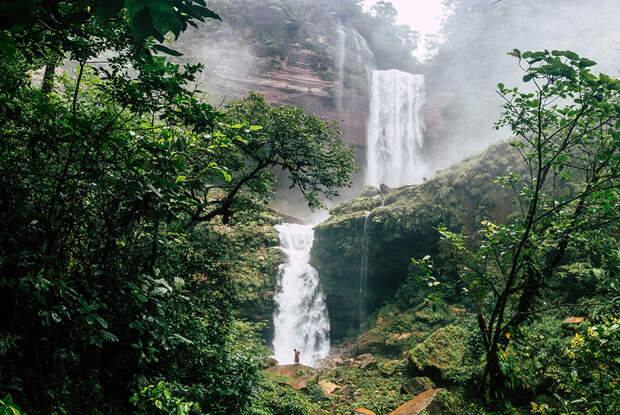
(114, 293)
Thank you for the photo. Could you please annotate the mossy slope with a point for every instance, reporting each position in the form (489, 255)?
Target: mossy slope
(404, 226)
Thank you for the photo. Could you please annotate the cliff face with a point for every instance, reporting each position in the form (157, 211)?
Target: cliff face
(323, 70)
(402, 228)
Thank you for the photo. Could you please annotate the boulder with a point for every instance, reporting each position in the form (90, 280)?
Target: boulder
(366, 361)
(328, 387)
(417, 404)
(390, 367)
(440, 354)
(363, 411)
(369, 191)
(369, 343)
(297, 376)
(417, 385)
(348, 391)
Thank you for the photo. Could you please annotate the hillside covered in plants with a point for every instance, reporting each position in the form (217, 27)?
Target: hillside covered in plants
(273, 207)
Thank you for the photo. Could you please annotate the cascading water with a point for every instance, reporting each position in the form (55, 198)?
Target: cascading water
(363, 279)
(340, 58)
(300, 320)
(395, 129)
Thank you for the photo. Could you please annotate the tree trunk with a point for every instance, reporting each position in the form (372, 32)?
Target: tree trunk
(48, 78)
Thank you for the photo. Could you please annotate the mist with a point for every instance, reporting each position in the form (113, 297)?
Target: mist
(463, 75)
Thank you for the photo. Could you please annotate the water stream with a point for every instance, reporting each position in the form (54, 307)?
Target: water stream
(363, 278)
(300, 320)
(395, 129)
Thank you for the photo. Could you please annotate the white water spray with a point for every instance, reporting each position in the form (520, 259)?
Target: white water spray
(395, 129)
(300, 320)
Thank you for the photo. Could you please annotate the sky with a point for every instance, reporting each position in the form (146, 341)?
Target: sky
(423, 16)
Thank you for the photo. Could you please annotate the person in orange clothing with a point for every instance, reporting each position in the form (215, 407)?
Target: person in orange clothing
(296, 356)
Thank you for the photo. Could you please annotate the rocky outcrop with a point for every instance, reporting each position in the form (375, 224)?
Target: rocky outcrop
(417, 404)
(404, 226)
(328, 388)
(296, 376)
(417, 385)
(441, 355)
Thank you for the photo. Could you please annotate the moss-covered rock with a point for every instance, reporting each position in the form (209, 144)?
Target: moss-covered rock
(417, 385)
(441, 355)
(402, 227)
(391, 367)
(447, 403)
(254, 264)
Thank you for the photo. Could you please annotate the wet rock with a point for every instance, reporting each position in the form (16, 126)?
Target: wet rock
(417, 385)
(363, 411)
(328, 388)
(417, 404)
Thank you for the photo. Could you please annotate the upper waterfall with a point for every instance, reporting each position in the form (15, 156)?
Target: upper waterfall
(395, 129)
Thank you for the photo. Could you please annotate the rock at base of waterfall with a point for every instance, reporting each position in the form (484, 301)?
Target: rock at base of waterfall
(385, 189)
(296, 376)
(417, 404)
(328, 388)
(363, 411)
(417, 385)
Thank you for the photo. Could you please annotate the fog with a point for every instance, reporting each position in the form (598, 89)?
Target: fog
(463, 75)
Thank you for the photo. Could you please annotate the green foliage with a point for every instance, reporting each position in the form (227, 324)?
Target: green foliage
(112, 281)
(153, 398)
(588, 379)
(86, 28)
(276, 399)
(567, 135)
(8, 407)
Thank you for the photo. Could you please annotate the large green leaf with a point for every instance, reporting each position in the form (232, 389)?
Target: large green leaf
(106, 9)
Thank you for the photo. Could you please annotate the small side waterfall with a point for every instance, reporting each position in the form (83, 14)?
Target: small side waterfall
(395, 129)
(300, 320)
(340, 59)
(363, 279)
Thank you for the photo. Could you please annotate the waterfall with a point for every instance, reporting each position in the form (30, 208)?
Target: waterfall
(300, 320)
(395, 129)
(340, 58)
(363, 279)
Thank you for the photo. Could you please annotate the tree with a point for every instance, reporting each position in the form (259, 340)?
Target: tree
(567, 132)
(101, 175)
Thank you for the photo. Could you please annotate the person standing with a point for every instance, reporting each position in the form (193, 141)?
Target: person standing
(296, 360)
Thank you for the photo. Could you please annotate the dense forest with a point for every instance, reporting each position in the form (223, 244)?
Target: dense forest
(141, 244)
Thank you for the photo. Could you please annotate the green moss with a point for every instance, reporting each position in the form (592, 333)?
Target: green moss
(405, 227)
(441, 356)
(446, 403)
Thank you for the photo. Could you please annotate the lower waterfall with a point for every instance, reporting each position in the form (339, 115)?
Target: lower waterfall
(300, 320)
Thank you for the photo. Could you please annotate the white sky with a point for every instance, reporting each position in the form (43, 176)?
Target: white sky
(423, 16)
